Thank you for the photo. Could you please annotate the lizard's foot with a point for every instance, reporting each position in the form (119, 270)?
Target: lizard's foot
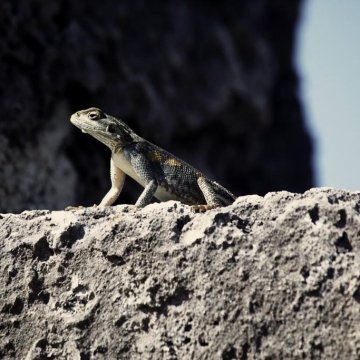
(69, 208)
(131, 209)
(201, 208)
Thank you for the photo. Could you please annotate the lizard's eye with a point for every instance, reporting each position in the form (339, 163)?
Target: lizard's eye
(94, 115)
(111, 128)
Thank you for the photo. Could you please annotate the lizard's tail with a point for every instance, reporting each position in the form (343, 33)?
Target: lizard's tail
(224, 195)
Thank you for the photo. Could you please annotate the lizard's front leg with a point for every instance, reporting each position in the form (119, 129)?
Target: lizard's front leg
(144, 168)
(148, 193)
(117, 177)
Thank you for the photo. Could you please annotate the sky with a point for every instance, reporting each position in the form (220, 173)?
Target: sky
(328, 61)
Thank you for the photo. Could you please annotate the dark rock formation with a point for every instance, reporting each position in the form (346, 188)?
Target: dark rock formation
(212, 82)
(266, 278)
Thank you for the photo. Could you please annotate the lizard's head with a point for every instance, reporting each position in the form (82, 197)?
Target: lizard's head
(111, 131)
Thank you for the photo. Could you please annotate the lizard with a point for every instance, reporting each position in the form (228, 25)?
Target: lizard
(162, 175)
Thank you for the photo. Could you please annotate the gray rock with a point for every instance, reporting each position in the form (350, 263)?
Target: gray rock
(266, 278)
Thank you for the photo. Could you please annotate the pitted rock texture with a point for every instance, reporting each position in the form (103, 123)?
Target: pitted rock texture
(272, 277)
(213, 82)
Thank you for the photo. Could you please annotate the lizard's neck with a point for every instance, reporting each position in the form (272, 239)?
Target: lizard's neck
(117, 149)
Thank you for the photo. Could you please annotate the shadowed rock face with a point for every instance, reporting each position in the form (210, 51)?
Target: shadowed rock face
(267, 277)
(212, 82)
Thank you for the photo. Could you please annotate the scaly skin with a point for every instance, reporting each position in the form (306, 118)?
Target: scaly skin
(160, 173)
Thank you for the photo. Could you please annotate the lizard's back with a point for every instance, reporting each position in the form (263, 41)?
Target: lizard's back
(176, 179)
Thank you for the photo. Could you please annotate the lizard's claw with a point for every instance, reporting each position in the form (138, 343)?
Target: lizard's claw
(69, 208)
(132, 209)
(201, 208)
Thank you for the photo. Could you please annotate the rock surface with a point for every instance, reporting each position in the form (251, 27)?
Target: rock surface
(211, 81)
(265, 278)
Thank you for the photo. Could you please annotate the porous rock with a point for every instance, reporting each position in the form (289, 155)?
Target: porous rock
(265, 278)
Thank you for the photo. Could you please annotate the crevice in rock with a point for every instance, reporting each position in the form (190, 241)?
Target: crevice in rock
(202, 340)
(37, 291)
(314, 214)
(356, 295)
(14, 308)
(71, 235)
(245, 350)
(114, 259)
(181, 222)
(229, 353)
(342, 219)
(42, 250)
(84, 355)
(343, 244)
